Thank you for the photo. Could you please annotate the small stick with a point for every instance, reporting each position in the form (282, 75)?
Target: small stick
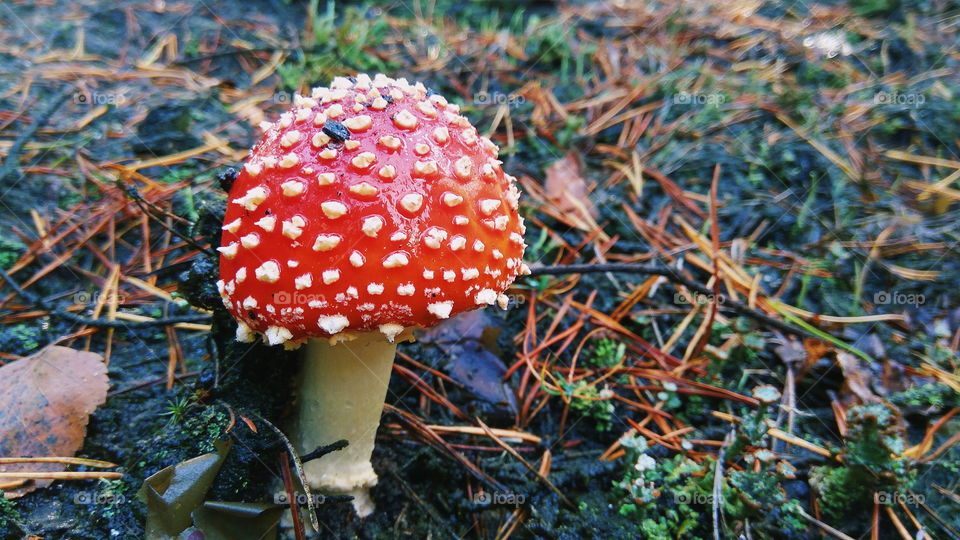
(12, 484)
(51, 475)
(299, 468)
(100, 323)
(674, 276)
(824, 526)
(904, 533)
(10, 164)
(783, 436)
(291, 494)
(64, 460)
(519, 458)
(505, 433)
(718, 482)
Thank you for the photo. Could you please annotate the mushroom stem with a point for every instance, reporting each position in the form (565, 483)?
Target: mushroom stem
(342, 391)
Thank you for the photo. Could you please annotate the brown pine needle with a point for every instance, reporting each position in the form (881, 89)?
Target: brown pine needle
(65, 460)
(782, 435)
(55, 475)
(542, 477)
(505, 433)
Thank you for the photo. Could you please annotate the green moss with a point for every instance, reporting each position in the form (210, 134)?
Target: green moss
(340, 44)
(10, 251)
(871, 462)
(588, 401)
(9, 515)
(935, 394)
(206, 427)
(22, 338)
(607, 353)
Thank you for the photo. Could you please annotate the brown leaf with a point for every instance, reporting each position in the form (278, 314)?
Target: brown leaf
(815, 350)
(856, 378)
(45, 402)
(567, 189)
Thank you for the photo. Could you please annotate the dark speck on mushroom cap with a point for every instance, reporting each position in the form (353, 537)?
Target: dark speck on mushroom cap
(371, 205)
(337, 131)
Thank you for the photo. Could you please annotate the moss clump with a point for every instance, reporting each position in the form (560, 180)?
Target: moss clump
(21, 339)
(586, 400)
(10, 251)
(9, 516)
(871, 462)
(935, 394)
(673, 497)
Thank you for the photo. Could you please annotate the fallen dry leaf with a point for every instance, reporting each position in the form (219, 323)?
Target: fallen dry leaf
(815, 349)
(567, 189)
(856, 379)
(46, 400)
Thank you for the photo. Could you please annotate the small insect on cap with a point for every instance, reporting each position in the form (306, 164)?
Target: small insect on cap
(372, 205)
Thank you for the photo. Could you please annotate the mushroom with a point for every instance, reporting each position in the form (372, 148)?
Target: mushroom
(373, 207)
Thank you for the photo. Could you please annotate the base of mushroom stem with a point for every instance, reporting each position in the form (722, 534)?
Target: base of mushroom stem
(363, 505)
(342, 391)
(358, 488)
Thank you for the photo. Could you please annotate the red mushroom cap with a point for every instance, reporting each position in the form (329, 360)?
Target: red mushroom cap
(372, 205)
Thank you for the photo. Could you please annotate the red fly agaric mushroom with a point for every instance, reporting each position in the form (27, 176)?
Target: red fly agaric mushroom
(371, 208)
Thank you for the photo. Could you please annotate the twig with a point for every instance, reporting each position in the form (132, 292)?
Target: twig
(430, 510)
(718, 482)
(674, 276)
(509, 449)
(414, 425)
(291, 498)
(298, 465)
(48, 475)
(13, 156)
(134, 194)
(824, 526)
(100, 323)
(63, 460)
(783, 436)
(324, 450)
(146, 384)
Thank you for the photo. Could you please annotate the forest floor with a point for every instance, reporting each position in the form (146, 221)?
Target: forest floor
(775, 355)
